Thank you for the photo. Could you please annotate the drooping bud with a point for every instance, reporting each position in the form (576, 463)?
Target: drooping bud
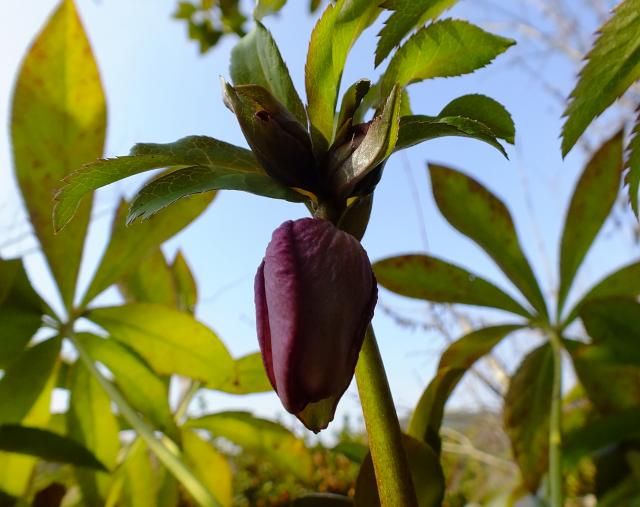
(315, 293)
(280, 143)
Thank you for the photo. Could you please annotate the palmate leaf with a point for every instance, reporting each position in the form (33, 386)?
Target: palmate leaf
(407, 14)
(593, 198)
(257, 60)
(526, 414)
(427, 416)
(443, 49)
(333, 36)
(58, 85)
(481, 216)
(171, 342)
(248, 376)
(189, 151)
(46, 445)
(432, 279)
(612, 66)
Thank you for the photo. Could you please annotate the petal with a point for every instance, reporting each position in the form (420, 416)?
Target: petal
(262, 324)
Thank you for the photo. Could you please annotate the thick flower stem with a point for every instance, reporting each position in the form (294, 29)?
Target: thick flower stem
(390, 464)
(556, 480)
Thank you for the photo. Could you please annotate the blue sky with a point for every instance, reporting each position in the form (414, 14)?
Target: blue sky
(160, 89)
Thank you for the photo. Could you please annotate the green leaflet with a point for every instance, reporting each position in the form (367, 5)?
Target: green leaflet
(58, 121)
(407, 14)
(425, 277)
(481, 216)
(613, 65)
(257, 60)
(170, 341)
(167, 189)
(426, 419)
(593, 198)
(443, 49)
(333, 36)
(189, 151)
(632, 178)
(526, 414)
(46, 445)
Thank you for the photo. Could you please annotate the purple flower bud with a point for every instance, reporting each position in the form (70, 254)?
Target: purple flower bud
(315, 293)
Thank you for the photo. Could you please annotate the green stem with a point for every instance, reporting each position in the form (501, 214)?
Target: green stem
(556, 480)
(190, 391)
(390, 464)
(169, 455)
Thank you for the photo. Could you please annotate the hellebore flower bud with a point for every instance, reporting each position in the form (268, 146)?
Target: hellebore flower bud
(315, 293)
(280, 143)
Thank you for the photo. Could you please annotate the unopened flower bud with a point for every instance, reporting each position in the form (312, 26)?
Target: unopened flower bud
(315, 293)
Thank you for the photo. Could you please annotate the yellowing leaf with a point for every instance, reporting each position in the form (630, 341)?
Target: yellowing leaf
(58, 122)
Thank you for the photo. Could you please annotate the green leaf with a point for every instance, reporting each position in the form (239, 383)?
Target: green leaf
(482, 217)
(46, 445)
(624, 282)
(407, 15)
(16, 470)
(58, 85)
(186, 287)
(431, 279)
(428, 478)
(266, 7)
(92, 424)
(151, 282)
(333, 36)
(139, 488)
(593, 199)
(375, 148)
(526, 414)
(611, 385)
(416, 129)
(355, 218)
(248, 376)
(600, 433)
(632, 178)
(209, 466)
(613, 65)
(130, 246)
(615, 323)
(260, 437)
(25, 379)
(188, 151)
(355, 451)
(145, 391)
(257, 60)
(167, 189)
(20, 311)
(171, 342)
(484, 110)
(426, 419)
(443, 49)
